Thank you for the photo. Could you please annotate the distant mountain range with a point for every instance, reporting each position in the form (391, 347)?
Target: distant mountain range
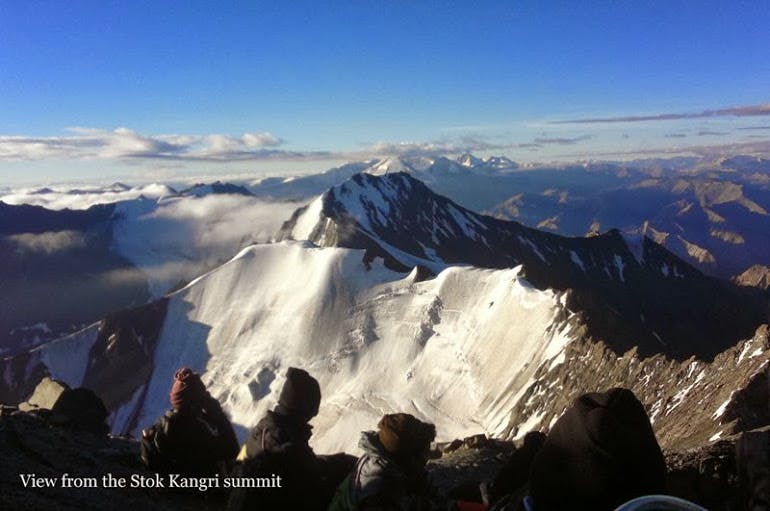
(711, 213)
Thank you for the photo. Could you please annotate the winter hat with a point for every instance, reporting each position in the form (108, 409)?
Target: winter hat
(187, 390)
(301, 394)
(403, 435)
(600, 453)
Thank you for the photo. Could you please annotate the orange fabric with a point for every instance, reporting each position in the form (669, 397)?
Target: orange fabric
(463, 505)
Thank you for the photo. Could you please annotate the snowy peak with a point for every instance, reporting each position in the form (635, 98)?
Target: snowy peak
(500, 162)
(424, 167)
(389, 165)
(398, 218)
(468, 160)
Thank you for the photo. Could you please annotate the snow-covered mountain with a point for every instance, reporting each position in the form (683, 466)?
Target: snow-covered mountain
(400, 219)
(711, 213)
(470, 349)
(379, 310)
(376, 340)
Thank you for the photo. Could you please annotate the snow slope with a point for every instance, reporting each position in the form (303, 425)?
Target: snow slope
(454, 350)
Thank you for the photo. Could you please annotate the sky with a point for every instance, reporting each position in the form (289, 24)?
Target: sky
(146, 90)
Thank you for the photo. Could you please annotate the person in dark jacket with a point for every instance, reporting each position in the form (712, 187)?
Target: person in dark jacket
(515, 473)
(279, 444)
(286, 427)
(601, 453)
(391, 474)
(195, 437)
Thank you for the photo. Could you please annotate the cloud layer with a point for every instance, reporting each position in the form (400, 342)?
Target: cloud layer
(124, 143)
(740, 111)
(83, 197)
(48, 242)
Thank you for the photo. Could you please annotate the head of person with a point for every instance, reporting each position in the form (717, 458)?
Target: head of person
(300, 396)
(533, 440)
(600, 453)
(406, 439)
(187, 392)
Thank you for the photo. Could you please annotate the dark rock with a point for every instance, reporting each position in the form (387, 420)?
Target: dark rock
(31, 444)
(753, 464)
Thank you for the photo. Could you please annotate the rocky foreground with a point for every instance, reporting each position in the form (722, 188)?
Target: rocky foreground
(32, 443)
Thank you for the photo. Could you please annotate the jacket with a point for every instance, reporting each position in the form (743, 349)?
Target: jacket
(378, 482)
(191, 442)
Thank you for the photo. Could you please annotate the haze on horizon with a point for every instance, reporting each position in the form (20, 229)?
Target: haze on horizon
(141, 90)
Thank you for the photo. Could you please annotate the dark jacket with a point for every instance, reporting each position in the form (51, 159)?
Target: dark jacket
(379, 482)
(278, 444)
(515, 473)
(190, 442)
(281, 433)
(600, 453)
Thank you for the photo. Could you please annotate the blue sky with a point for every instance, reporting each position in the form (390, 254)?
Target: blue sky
(142, 89)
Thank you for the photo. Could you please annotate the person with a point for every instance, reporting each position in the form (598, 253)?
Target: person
(391, 473)
(279, 444)
(600, 453)
(286, 427)
(193, 438)
(515, 472)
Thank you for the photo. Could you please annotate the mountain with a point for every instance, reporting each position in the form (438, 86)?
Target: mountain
(66, 268)
(644, 286)
(757, 276)
(58, 273)
(376, 339)
(711, 213)
(218, 187)
(395, 323)
(300, 188)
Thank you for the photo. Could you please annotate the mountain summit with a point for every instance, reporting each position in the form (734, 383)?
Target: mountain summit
(630, 292)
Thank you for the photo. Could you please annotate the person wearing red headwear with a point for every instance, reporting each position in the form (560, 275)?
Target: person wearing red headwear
(195, 437)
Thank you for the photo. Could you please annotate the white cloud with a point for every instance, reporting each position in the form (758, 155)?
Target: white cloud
(432, 148)
(82, 197)
(48, 242)
(124, 143)
(186, 236)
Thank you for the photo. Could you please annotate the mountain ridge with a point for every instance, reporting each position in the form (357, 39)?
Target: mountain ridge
(398, 218)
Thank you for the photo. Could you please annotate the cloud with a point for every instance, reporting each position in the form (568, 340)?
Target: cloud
(467, 144)
(755, 128)
(126, 144)
(187, 236)
(83, 197)
(761, 146)
(740, 111)
(706, 133)
(561, 140)
(446, 146)
(48, 242)
(675, 135)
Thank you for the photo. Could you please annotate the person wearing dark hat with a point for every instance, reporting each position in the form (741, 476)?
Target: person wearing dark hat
(391, 474)
(601, 453)
(193, 438)
(286, 426)
(279, 444)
